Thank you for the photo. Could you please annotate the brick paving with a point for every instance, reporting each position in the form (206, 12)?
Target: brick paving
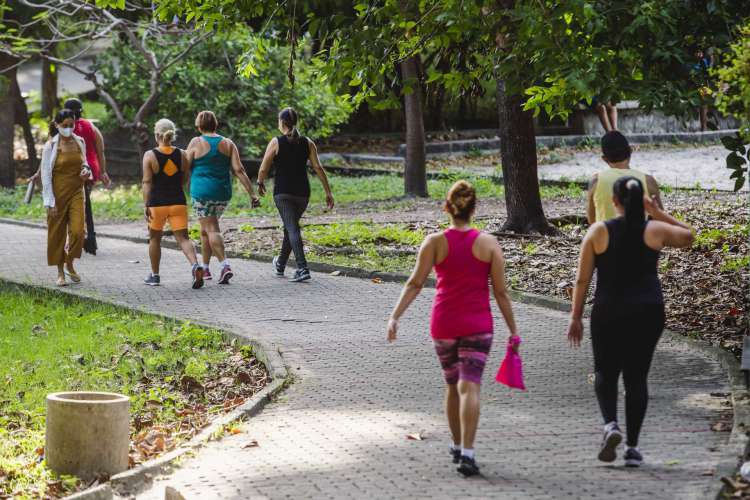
(340, 430)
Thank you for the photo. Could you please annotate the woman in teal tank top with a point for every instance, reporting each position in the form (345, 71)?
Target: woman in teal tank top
(213, 160)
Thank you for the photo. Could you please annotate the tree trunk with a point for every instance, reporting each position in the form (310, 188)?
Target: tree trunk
(49, 87)
(7, 126)
(415, 176)
(22, 119)
(518, 157)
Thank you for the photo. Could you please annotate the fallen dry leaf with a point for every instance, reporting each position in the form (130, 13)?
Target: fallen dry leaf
(253, 443)
(416, 436)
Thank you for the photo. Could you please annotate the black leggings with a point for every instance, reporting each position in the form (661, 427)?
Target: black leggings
(624, 338)
(291, 209)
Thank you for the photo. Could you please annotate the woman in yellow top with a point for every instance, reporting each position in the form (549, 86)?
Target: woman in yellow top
(616, 154)
(64, 173)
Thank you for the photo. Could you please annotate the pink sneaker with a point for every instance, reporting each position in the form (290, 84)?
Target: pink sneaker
(207, 274)
(226, 275)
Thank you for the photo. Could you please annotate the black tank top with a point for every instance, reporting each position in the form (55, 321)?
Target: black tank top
(627, 275)
(166, 188)
(290, 165)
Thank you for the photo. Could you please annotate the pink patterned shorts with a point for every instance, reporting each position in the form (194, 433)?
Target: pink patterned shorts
(463, 358)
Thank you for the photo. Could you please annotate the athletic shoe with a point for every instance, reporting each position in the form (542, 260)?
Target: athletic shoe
(456, 454)
(152, 280)
(612, 438)
(226, 275)
(467, 466)
(633, 457)
(207, 274)
(277, 269)
(301, 275)
(197, 276)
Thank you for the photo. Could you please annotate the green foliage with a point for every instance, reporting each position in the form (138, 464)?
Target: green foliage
(714, 238)
(50, 344)
(361, 233)
(734, 264)
(207, 79)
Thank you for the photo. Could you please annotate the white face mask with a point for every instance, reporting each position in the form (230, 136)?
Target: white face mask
(66, 132)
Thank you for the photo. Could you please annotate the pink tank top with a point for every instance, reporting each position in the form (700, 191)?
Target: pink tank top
(462, 301)
(84, 129)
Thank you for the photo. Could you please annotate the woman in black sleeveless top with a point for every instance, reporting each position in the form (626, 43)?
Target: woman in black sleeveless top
(166, 170)
(288, 154)
(628, 314)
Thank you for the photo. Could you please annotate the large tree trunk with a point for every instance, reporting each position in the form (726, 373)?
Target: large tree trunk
(22, 119)
(7, 125)
(415, 175)
(49, 87)
(518, 157)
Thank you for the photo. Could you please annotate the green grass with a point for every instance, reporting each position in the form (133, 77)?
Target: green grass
(124, 203)
(51, 344)
(362, 233)
(713, 238)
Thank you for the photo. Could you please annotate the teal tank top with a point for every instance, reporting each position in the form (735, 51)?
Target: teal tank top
(211, 177)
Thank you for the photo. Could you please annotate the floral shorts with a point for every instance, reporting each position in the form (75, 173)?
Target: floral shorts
(463, 358)
(209, 208)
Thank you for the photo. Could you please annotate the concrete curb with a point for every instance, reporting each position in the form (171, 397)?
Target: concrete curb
(135, 480)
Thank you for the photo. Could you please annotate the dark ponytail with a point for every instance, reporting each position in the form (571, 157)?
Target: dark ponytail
(288, 117)
(629, 193)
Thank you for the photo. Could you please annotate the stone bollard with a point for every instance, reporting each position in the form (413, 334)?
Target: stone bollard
(87, 433)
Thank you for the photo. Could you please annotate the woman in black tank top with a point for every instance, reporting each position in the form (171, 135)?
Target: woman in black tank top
(165, 174)
(288, 154)
(627, 318)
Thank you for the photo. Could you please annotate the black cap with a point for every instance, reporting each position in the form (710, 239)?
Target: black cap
(615, 146)
(75, 105)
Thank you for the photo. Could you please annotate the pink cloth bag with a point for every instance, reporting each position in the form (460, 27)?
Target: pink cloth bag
(511, 369)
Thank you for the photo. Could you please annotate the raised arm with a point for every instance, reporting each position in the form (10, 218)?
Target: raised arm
(422, 269)
(583, 279)
(653, 190)
(318, 168)
(147, 181)
(99, 146)
(265, 166)
(668, 231)
(499, 289)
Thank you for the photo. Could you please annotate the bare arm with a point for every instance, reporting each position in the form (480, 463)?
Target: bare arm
(187, 163)
(590, 207)
(99, 145)
(425, 263)
(239, 170)
(671, 232)
(265, 166)
(148, 178)
(315, 161)
(499, 290)
(653, 190)
(583, 280)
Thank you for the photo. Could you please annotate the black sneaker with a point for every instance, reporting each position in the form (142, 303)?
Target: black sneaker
(456, 454)
(301, 275)
(633, 458)
(610, 442)
(152, 280)
(197, 276)
(467, 466)
(277, 269)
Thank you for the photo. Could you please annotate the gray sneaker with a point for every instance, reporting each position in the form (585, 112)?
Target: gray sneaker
(301, 275)
(277, 269)
(610, 442)
(152, 280)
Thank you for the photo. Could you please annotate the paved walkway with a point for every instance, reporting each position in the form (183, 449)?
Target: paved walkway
(340, 430)
(677, 167)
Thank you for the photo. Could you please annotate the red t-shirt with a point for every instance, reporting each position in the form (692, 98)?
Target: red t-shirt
(85, 129)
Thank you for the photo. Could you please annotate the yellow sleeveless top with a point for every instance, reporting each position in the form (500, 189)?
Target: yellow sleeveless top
(605, 207)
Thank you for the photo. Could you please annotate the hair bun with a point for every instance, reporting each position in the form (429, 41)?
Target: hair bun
(461, 200)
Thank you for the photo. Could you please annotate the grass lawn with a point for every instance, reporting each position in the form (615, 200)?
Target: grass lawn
(54, 343)
(124, 202)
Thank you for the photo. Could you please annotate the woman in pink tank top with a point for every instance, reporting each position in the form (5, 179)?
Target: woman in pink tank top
(465, 260)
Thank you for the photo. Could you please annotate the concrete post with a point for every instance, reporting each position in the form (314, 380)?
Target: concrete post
(87, 433)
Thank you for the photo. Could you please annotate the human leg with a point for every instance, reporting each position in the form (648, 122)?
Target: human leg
(601, 112)
(606, 362)
(76, 233)
(154, 249)
(452, 407)
(612, 111)
(291, 208)
(210, 225)
(646, 329)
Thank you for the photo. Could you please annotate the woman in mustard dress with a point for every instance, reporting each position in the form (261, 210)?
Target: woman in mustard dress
(64, 173)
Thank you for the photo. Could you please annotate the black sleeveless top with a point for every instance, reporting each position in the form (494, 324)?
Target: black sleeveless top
(290, 165)
(627, 275)
(167, 188)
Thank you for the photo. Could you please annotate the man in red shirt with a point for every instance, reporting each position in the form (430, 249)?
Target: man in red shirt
(94, 141)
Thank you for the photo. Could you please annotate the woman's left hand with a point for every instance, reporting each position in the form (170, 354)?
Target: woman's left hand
(329, 201)
(392, 329)
(85, 174)
(254, 202)
(575, 332)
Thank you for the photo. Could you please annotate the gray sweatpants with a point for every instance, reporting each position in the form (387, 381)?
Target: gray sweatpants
(291, 208)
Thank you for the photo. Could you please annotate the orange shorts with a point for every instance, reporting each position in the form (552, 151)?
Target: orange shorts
(176, 215)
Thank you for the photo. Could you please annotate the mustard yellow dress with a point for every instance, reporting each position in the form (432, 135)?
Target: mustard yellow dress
(67, 225)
